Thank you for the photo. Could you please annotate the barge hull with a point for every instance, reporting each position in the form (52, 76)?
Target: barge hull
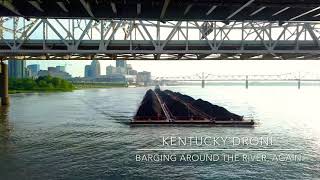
(188, 122)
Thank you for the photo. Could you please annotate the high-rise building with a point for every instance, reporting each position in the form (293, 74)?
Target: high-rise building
(121, 63)
(144, 77)
(28, 73)
(52, 69)
(121, 70)
(87, 71)
(95, 68)
(92, 70)
(129, 68)
(34, 68)
(61, 68)
(111, 70)
(54, 72)
(132, 72)
(17, 68)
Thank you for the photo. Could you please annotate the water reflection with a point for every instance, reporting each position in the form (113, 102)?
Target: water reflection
(4, 126)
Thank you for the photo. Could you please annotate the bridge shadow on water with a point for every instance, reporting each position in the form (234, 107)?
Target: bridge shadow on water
(4, 123)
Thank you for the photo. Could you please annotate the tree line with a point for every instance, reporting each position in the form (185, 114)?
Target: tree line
(41, 83)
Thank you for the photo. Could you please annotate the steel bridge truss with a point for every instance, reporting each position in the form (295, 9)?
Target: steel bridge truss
(77, 39)
(305, 76)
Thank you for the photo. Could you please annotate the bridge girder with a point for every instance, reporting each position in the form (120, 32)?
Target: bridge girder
(150, 40)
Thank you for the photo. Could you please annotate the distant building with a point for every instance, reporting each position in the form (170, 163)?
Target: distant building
(132, 72)
(54, 72)
(17, 69)
(29, 73)
(92, 70)
(87, 71)
(129, 68)
(34, 68)
(111, 70)
(61, 68)
(95, 68)
(116, 78)
(144, 77)
(121, 70)
(112, 78)
(131, 78)
(121, 63)
(52, 69)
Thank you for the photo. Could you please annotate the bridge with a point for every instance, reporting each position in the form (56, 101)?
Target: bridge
(76, 39)
(158, 30)
(207, 77)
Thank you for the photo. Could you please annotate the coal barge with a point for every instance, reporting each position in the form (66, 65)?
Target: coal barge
(169, 108)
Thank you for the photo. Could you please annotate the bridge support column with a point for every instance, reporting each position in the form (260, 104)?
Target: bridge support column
(247, 82)
(4, 84)
(202, 83)
(299, 83)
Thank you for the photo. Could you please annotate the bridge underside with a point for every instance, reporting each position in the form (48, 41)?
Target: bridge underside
(77, 39)
(165, 10)
(174, 50)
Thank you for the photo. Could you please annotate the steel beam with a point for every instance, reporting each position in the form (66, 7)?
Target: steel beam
(148, 40)
(62, 6)
(7, 4)
(164, 8)
(87, 7)
(36, 5)
(240, 9)
(303, 14)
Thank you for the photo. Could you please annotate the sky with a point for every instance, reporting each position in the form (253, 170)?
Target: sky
(188, 67)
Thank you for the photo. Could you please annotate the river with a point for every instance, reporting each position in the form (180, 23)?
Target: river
(83, 134)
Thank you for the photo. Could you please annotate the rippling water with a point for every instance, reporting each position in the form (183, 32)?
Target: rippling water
(82, 134)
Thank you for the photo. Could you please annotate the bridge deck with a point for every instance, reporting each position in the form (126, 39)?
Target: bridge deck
(229, 49)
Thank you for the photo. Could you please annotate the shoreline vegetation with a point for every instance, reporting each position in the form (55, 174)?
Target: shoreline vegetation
(41, 84)
(54, 84)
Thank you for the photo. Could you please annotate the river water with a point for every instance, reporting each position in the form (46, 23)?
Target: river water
(83, 135)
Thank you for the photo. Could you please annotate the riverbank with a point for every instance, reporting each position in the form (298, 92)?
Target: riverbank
(38, 90)
(86, 85)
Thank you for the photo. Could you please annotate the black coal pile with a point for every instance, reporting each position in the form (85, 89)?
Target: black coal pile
(183, 97)
(181, 107)
(150, 108)
(216, 112)
(178, 109)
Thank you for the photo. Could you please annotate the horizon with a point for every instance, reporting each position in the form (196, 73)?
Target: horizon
(188, 67)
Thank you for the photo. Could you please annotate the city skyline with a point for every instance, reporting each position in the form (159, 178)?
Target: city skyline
(174, 67)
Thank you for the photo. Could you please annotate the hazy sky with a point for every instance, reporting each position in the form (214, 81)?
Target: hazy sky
(186, 67)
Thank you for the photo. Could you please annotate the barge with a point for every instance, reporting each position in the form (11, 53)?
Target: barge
(172, 108)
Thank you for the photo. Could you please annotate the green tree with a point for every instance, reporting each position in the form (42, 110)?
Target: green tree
(41, 83)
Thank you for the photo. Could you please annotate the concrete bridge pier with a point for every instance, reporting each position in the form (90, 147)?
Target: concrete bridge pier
(247, 82)
(4, 84)
(299, 83)
(202, 83)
